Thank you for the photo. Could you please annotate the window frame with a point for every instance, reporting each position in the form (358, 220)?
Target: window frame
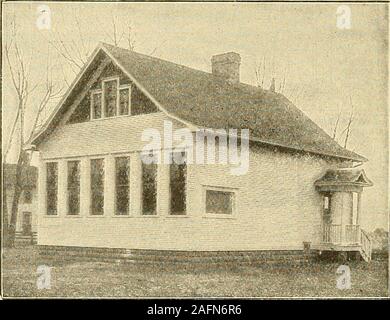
(185, 214)
(97, 91)
(123, 87)
(119, 87)
(104, 100)
(56, 214)
(91, 214)
(128, 185)
(67, 188)
(156, 213)
(233, 191)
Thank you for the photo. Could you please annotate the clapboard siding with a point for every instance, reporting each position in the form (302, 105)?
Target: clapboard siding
(277, 207)
(101, 136)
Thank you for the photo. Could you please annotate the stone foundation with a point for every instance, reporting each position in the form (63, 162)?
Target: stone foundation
(278, 257)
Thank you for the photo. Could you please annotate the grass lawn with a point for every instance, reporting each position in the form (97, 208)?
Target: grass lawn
(98, 279)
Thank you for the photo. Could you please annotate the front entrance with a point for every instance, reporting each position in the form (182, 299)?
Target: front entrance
(26, 223)
(341, 191)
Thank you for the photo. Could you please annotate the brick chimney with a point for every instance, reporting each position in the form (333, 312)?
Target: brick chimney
(226, 66)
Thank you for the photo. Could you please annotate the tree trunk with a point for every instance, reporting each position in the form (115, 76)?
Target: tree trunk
(18, 188)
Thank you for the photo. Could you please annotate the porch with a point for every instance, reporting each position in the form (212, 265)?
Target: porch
(337, 237)
(341, 191)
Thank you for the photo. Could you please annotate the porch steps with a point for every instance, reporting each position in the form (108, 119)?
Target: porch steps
(24, 240)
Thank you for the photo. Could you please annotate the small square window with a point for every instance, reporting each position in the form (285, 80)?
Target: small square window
(219, 202)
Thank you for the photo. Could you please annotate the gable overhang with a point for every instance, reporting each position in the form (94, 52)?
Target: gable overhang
(32, 145)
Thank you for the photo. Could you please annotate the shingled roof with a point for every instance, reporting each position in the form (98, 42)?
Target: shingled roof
(204, 100)
(344, 176)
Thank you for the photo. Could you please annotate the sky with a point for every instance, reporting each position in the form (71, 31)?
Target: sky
(327, 70)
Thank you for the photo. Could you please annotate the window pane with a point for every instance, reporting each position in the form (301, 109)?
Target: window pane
(219, 202)
(73, 201)
(73, 187)
(149, 189)
(96, 105)
(51, 188)
(97, 186)
(178, 173)
(122, 169)
(124, 102)
(51, 201)
(110, 92)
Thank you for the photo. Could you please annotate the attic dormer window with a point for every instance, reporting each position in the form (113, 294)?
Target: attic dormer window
(96, 105)
(110, 101)
(110, 91)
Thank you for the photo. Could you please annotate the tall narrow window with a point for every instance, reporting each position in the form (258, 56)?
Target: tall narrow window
(178, 174)
(96, 104)
(73, 187)
(124, 101)
(97, 186)
(122, 179)
(51, 188)
(110, 97)
(149, 188)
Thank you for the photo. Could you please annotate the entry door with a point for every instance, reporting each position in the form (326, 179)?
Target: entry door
(26, 223)
(327, 213)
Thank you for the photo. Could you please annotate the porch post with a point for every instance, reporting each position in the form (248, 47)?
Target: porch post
(359, 208)
(163, 193)
(85, 187)
(109, 185)
(135, 184)
(62, 188)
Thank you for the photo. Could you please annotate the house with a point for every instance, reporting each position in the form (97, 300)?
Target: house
(300, 193)
(26, 221)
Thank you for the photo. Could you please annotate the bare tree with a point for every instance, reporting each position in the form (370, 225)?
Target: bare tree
(348, 129)
(267, 73)
(336, 126)
(18, 69)
(76, 50)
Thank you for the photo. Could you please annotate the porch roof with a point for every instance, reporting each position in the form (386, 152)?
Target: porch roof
(344, 177)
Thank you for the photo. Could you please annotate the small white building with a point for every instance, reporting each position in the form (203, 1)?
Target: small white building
(95, 192)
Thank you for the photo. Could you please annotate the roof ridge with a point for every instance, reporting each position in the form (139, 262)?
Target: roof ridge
(201, 98)
(143, 55)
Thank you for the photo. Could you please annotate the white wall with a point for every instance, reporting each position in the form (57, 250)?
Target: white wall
(276, 205)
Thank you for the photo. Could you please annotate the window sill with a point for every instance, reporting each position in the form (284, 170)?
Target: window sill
(113, 117)
(180, 216)
(51, 216)
(73, 216)
(122, 216)
(120, 116)
(219, 216)
(96, 216)
(148, 216)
